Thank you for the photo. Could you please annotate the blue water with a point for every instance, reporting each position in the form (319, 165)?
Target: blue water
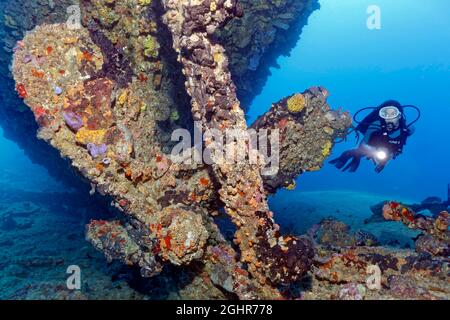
(17, 172)
(408, 59)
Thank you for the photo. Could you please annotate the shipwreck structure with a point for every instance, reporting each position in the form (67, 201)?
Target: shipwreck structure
(245, 39)
(110, 112)
(107, 96)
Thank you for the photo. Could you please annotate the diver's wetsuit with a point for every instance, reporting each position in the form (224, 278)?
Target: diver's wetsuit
(377, 134)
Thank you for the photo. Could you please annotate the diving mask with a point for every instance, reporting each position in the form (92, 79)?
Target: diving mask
(391, 115)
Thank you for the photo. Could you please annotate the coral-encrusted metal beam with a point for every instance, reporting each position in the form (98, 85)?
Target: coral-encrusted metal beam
(270, 257)
(307, 129)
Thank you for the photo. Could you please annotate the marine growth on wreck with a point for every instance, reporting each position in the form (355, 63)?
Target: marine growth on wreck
(140, 109)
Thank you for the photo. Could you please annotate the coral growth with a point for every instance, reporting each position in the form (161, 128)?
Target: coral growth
(97, 116)
(303, 137)
(343, 268)
(296, 103)
(344, 274)
(334, 233)
(271, 258)
(436, 238)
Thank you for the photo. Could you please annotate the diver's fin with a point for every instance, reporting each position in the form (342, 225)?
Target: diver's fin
(379, 168)
(342, 160)
(353, 165)
(338, 163)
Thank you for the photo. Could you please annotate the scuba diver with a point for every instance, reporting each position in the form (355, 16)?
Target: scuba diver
(385, 132)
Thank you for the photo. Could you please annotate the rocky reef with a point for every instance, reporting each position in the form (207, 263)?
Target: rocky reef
(347, 262)
(434, 205)
(435, 237)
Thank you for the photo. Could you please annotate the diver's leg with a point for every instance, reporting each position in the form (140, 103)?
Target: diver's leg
(343, 159)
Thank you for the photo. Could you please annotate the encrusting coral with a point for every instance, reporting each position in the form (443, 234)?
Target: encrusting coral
(436, 237)
(300, 150)
(96, 119)
(138, 20)
(271, 258)
(296, 103)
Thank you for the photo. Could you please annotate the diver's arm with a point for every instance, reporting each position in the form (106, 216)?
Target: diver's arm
(371, 153)
(364, 125)
(381, 163)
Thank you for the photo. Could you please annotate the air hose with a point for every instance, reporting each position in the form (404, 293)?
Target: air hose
(372, 126)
